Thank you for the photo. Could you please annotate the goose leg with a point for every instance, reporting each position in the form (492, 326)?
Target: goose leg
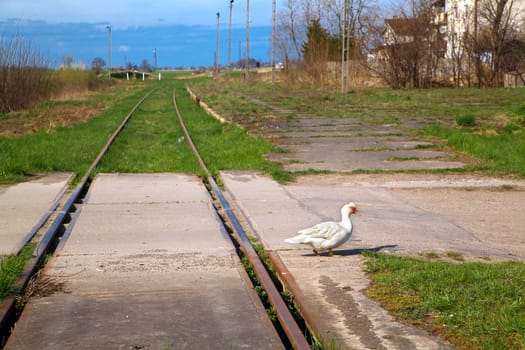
(331, 251)
(316, 252)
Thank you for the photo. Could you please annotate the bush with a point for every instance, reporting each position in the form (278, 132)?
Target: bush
(71, 81)
(466, 120)
(24, 77)
(26, 80)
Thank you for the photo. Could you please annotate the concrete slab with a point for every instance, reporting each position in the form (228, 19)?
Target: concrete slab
(405, 213)
(147, 265)
(23, 205)
(338, 156)
(341, 144)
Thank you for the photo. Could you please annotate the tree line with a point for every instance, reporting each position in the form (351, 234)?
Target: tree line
(405, 46)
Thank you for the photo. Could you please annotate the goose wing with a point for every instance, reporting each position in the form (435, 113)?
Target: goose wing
(324, 230)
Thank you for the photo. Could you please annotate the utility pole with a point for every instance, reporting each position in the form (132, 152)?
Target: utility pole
(247, 54)
(109, 51)
(273, 42)
(217, 47)
(230, 39)
(476, 44)
(344, 51)
(155, 58)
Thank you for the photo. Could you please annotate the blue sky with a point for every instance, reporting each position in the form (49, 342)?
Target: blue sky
(183, 33)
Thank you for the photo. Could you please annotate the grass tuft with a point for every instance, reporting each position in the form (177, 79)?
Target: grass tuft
(11, 267)
(466, 119)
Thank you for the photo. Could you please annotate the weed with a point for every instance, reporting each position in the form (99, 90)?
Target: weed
(10, 269)
(466, 120)
(454, 256)
(280, 150)
(432, 255)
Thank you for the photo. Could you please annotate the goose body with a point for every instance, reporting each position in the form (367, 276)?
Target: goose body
(327, 235)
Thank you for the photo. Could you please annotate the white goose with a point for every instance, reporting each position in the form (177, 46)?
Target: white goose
(327, 235)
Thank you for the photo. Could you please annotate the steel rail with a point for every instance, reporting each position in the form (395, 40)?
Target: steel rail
(43, 220)
(53, 233)
(288, 323)
(311, 319)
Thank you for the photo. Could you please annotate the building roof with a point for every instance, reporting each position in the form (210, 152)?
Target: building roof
(404, 26)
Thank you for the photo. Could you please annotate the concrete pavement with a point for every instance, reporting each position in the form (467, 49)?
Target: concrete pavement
(147, 265)
(24, 204)
(408, 214)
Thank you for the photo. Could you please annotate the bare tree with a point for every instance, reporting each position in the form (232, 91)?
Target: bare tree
(291, 31)
(496, 20)
(298, 17)
(67, 61)
(24, 80)
(97, 64)
(406, 46)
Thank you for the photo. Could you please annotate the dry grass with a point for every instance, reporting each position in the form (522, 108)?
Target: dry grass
(47, 118)
(40, 285)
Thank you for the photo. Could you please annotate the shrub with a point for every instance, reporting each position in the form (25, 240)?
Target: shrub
(70, 81)
(466, 119)
(24, 77)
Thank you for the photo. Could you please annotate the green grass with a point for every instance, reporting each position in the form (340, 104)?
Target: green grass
(153, 140)
(500, 154)
(491, 130)
(70, 148)
(466, 119)
(11, 267)
(472, 305)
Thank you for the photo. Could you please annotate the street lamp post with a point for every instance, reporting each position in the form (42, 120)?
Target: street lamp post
(109, 51)
(273, 42)
(247, 54)
(217, 45)
(155, 58)
(230, 38)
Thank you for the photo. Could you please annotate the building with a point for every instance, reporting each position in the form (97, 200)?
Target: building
(457, 19)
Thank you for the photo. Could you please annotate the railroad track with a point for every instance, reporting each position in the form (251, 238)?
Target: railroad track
(58, 218)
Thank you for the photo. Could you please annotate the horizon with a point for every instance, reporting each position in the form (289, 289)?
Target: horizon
(176, 46)
(183, 34)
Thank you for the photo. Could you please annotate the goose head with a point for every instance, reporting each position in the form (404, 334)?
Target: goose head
(349, 209)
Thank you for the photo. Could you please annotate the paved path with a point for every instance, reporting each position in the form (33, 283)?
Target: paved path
(147, 266)
(24, 204)
(348, 144)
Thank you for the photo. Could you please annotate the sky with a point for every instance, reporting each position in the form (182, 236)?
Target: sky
(182, 33)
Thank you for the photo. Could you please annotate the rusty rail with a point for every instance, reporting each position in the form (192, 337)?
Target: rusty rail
(51, 238)
(288, 323)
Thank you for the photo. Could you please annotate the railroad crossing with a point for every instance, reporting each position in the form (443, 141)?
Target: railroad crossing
(148, 260)
(147, 263)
